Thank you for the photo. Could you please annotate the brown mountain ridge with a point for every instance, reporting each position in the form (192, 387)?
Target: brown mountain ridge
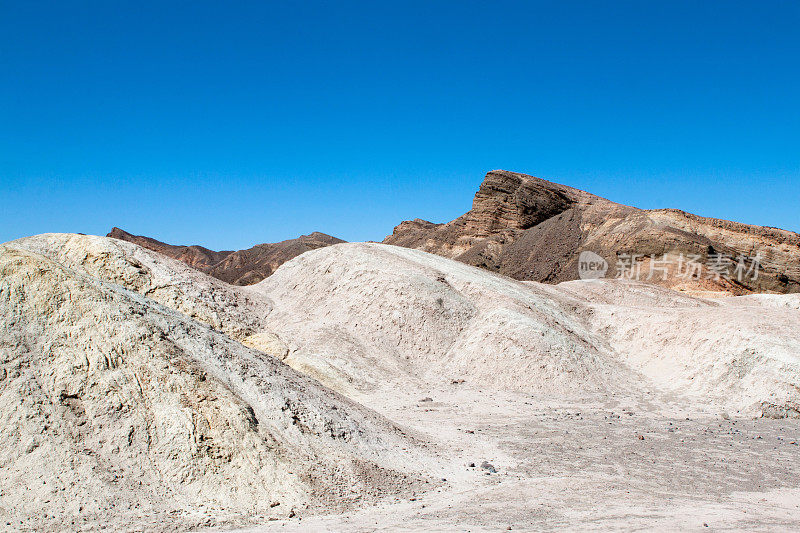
(532, 229)
(242, 267)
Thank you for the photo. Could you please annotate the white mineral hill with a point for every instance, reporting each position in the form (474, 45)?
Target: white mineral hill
(365, 386)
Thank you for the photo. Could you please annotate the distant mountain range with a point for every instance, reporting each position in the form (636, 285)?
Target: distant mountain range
(536, 230)
(242, 267)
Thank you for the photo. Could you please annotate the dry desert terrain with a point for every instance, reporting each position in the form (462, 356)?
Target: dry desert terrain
(366, 387)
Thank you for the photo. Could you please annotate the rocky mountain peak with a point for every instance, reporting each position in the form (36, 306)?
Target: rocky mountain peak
(518, 201)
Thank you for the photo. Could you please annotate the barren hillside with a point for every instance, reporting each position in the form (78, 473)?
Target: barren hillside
(116, 408)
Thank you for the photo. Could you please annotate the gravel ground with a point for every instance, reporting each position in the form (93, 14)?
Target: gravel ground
(646, 464)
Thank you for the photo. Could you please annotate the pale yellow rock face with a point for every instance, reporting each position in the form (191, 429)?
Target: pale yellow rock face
(269, 343)
(167, 281)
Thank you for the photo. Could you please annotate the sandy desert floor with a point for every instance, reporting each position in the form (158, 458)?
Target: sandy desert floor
(634, 463)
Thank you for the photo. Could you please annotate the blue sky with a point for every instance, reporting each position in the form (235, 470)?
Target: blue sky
(232, 123)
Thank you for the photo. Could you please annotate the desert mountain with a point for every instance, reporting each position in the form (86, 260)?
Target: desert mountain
(139, 393)
(243, 267)
(532, 229)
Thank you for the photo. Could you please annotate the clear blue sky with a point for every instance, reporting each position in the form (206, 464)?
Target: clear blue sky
(234, 123)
